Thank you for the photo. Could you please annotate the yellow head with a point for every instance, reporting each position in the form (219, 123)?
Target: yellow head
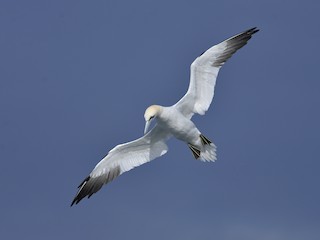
(150, 113)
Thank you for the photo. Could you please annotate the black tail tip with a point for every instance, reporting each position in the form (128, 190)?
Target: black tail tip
(196, 152)
(205, 140)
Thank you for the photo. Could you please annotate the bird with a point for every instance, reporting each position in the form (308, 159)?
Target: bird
(173, 121)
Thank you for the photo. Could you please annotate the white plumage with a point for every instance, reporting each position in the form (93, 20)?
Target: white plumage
(174, 121)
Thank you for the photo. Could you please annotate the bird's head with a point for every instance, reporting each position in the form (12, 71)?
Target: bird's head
(150, 113)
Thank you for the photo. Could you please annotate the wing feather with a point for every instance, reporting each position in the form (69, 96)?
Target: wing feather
(123, 158)
(204, 71)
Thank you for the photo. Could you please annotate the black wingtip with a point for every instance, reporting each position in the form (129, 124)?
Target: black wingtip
(72, 203)
(79, 196)
(91, 185)
(75, 201)
(252, 31)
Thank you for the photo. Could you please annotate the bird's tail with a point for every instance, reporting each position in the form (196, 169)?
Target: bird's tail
(208, 151)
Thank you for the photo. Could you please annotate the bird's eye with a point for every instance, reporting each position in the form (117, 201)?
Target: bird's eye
(151, 118)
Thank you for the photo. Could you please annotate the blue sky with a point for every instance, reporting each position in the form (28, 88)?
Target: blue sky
(76, 77)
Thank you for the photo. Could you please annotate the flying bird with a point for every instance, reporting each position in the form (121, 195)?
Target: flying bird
(173, 121)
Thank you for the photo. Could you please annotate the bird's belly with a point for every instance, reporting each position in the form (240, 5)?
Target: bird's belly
(182, 129)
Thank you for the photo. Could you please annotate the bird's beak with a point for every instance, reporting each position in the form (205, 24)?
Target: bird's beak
(147, 126)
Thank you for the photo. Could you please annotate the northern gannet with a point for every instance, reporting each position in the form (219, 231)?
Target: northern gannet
(174, 121)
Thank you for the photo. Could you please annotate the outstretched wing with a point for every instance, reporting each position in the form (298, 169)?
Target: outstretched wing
(204, 72)
(123, 158)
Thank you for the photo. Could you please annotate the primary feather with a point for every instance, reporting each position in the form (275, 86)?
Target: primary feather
(123, 158)
(204, 72)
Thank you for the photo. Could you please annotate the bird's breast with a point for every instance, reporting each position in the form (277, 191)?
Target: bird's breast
(178, 125)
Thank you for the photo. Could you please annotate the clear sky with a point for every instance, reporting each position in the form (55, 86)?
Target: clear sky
(76, 77)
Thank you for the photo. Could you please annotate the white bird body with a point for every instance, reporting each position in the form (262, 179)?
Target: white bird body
(174, 121)
(178, 125)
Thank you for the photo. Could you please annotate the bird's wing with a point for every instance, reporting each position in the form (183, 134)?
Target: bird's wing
(204, 71)
(123, 158)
